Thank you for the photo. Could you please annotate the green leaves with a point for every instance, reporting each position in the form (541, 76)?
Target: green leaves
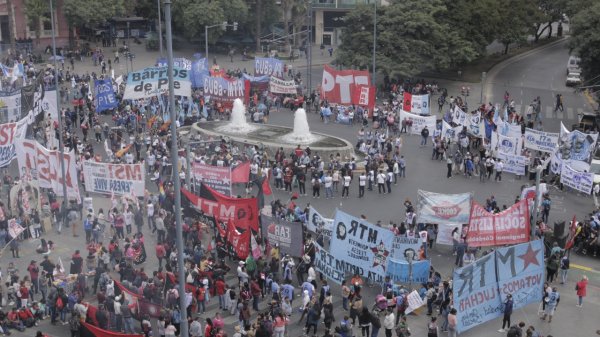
(91, 13)
(196, 14)
(585, 39)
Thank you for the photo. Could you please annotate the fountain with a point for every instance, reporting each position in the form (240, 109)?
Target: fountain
(301, 133)
(272, 137)
(238, 121)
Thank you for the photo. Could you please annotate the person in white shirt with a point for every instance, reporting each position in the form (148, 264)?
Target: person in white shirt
(128, 217)
(328, 181)
(312, 274)
(499, 168)
(346, 188)
(362, 182)
(129, 158)
(381, 182)
(88, 203)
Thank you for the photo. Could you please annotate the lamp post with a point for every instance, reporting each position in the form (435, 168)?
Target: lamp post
(61, 151)
(309, 50)
(374, 44)
(160, 46)
(223, 25)
(175, 174)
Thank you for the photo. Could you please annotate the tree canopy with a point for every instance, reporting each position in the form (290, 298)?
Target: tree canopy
(585, 39)
(91, 13)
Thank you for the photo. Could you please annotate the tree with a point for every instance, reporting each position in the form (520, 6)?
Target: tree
(517, 17)
(196, 14)
(37, 12)
(84, 13)
(550, 11)
(294, 17)
(266, 13)
(585, 39)
(412, 37)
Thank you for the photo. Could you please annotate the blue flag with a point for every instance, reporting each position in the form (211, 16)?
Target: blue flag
(399, 271)
(105, 95)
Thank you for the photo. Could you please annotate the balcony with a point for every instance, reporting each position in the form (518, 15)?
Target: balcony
(340, 4)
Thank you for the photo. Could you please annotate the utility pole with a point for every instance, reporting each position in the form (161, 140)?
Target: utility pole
(374, 44)
(175, 174)
(160, 46)
(61, 154)
(309, 50)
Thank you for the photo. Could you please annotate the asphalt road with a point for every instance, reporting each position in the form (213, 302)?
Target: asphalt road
(422, 173)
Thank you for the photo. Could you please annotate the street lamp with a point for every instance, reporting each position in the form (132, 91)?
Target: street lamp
(61, 151)
(374, 44)
(160, 46)
(224, 26)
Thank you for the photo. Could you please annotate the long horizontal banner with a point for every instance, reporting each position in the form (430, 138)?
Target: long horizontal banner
(38, 163)
(243, 212)
(513, 163)
(399, 271)
(215, 177)
(541, 140)
(329, 265)
(580, 181)
(268, 66)
(277, 86)
(9, 133)
(117, 179)
(418, 122)
(336, 85)
(480, 289)
(154, 81)
(507, 227)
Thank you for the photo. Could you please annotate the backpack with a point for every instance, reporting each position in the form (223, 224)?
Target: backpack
(59, 303)
(513, 331)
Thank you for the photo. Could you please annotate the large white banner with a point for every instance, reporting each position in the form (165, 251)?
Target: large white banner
(444, 234)
(117, 179)
(154, 81)
(541, 140)
(506, 144)
(459, 117)
(38, 163)
(576, 148)
(581, 181)
(10, 132)
(278, 86)
(419, 122)
(49, 104)
(510, 130)
(318, 224)
(450, 132)
(420, 104)
(512, 163)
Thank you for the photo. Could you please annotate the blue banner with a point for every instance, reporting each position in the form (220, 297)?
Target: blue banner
(521, 272)
(268, 66)
(362, 246)
(199, 72)
(328, 265)
(401, 244)
(178, 62)
(399, 271)
(105, 95)
(475, 290)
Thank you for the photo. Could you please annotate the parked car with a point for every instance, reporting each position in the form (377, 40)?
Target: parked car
(573, 79)
(573, 64)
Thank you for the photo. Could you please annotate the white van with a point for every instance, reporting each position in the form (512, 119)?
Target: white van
(573, 65)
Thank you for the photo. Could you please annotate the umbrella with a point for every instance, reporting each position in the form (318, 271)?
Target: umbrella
(57, 57)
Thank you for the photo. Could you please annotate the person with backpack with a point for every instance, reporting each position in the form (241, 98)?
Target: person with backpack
(564, 268)
(508, 309)
(432, 328)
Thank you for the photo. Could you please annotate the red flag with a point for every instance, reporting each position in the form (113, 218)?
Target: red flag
(572, 233)
(266, 187)
(89, 330)
(364, 96)
(239, 241)
(241, 173)
(148, 308)
(407, 102)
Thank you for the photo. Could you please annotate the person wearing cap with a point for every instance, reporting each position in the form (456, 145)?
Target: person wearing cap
(508, 308)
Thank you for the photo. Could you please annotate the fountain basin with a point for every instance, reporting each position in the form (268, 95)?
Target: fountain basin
(272, 137)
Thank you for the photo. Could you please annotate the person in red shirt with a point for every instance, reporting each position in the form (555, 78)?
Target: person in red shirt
(221, 288)
(161, 253)
(256, 291)
(14, 322)
(24, 294)
(26, 317)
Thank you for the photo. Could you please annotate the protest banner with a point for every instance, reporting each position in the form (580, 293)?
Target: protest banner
(277, 86)
(198, 72)
(215, 177)
(509, 130)
(364, 247)
(230, 241)
(475, 292)
(105, 95)
(507, 227)
(444, 234)
(399, 271)
(459, 117)
(268, 66)
(9, 133)
(504, 144)
(418, 122)
(576, 146)
(318, 224)
(336, 85)
(178, 62)
(14, 228)
(417, 104)
(288, 235)
(154, 81)
(10, 106)
(475, 126)
(243, 212)
(513, 163)
(556, 163)
(38, 163)
(540, 140)
(521, 272)
(580, 181)
(443, 208)
(89, 330)
(25, 197)
(224, 90)
(328, 265)
(364, 95)
(414, 302)
(117, 179)
(401, 244)
(449, 132)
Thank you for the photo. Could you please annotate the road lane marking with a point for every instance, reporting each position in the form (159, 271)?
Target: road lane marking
(549, 111)
(580, 267)
(560, 114)
(569, 113)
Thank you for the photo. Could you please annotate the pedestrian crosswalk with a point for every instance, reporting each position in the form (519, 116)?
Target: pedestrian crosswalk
(549, 112)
